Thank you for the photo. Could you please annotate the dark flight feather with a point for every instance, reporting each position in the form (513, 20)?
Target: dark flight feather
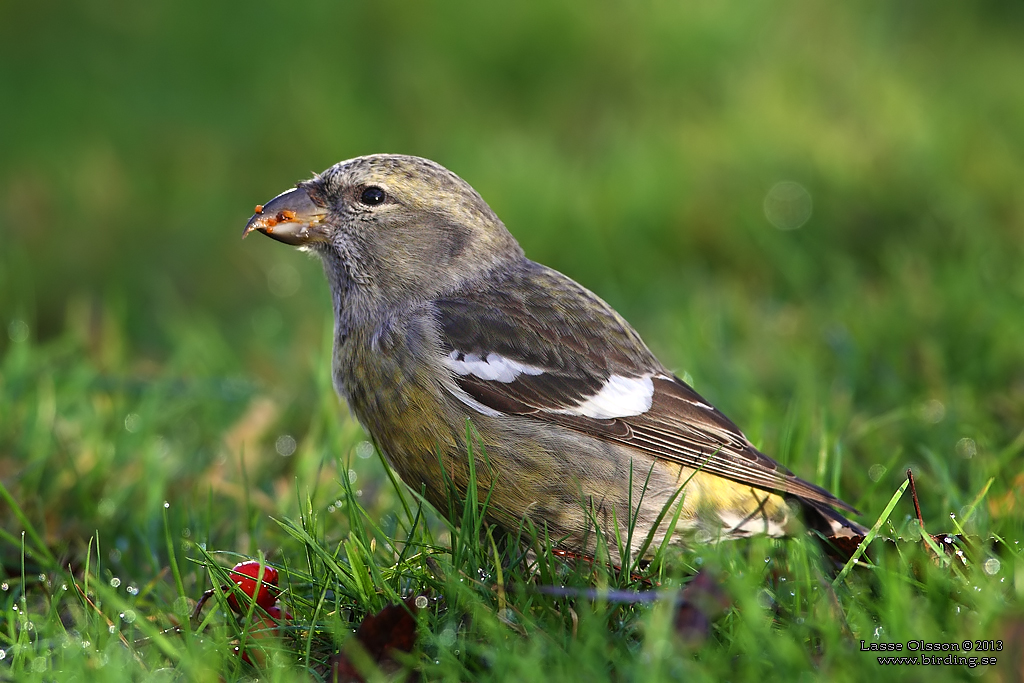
(543, 325)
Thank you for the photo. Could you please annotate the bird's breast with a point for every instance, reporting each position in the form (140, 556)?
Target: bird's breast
(395, 393)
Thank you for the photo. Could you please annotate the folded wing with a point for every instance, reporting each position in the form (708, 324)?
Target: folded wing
(555, 352)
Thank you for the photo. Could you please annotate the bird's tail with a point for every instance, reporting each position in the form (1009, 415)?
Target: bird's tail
(824, 518)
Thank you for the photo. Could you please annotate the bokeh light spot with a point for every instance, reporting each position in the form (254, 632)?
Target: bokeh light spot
(285, 445)
(133, 422)
(932, 411)
(966, 448)
(788, 205)
(18, 331)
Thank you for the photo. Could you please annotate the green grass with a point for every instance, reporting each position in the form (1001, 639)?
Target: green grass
(165, 396)
(349, 541)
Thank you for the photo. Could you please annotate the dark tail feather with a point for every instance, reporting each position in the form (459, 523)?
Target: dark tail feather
(822, 517)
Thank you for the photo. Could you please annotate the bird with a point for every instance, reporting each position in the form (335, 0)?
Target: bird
(466, 361)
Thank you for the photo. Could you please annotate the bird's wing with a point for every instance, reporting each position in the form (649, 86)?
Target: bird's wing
(537, 344)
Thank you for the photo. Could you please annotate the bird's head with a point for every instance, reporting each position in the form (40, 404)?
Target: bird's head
(399, 227)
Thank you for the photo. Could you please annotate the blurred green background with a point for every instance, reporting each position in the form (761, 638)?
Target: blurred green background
(637, 147)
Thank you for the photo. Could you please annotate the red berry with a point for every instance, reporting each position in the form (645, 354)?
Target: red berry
(245, 575)
(265, 628)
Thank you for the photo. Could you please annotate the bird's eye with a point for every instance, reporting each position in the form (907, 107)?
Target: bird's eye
(372, 196)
